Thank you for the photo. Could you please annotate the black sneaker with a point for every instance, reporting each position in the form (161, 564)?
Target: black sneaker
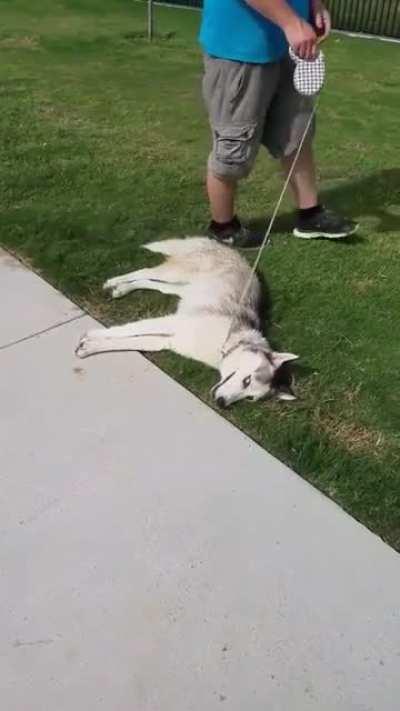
(324, 223)
(235, 235)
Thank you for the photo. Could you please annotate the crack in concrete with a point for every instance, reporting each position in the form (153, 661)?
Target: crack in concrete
(43, 331)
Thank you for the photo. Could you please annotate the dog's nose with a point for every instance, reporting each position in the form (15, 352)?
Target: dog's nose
(221, 402)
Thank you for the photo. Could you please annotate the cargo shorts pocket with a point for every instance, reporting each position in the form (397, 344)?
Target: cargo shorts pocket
(234, 144)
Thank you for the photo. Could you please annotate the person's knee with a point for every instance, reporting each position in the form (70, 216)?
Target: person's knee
(233, 153)
(282, 139)
(229, 172)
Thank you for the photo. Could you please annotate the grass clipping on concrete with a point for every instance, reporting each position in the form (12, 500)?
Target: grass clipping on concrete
(104, 148)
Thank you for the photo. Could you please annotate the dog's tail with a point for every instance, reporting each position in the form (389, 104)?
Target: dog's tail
(175, 247)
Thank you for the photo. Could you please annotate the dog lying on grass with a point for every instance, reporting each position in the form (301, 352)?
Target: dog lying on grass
(210, 325)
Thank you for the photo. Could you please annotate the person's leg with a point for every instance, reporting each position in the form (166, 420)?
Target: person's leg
(287, 120)
(221, 194)
(237, 99)
(303, 182)
(313, 219)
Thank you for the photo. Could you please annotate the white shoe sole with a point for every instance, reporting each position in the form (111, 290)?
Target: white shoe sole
(323, 235)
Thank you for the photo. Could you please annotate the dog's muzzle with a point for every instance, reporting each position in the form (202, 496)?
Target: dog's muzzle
(221, 402)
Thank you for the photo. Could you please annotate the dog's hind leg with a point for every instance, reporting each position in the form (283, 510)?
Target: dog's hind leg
(179, 246)
(153, 334)
(161, 278)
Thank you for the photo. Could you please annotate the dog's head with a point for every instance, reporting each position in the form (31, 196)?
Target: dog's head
(253, 373)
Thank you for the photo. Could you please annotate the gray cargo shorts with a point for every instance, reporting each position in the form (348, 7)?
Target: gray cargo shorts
(251, 105)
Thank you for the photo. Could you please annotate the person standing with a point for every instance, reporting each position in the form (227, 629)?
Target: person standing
(251, 100)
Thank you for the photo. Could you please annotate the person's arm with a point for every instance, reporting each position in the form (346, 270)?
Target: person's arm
(299, 33)
(322, 19)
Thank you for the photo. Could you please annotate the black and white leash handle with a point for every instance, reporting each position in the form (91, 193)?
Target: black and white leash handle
(309, 74)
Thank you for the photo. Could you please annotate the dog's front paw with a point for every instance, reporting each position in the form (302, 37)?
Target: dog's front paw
(82, 349)
(110, 284)
(116, 288)
(92, 342)
(85, 347)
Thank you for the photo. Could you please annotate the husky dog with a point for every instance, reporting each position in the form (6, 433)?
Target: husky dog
(210, 325)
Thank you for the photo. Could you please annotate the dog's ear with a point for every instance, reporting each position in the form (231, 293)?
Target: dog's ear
(278, 359)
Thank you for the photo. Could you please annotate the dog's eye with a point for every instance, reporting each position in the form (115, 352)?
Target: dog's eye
(246, 381)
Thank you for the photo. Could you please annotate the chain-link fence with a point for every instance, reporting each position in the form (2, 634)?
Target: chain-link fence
(376, 17)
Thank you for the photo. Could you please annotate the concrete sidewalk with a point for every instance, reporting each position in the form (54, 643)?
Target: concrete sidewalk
(153, 558)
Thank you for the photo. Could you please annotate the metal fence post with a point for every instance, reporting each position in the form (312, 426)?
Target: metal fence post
(150, 20)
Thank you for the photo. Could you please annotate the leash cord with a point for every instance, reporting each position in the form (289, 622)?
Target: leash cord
(267, 237)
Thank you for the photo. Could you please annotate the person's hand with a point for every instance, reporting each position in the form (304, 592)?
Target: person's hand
(302, 38)
(322, 19)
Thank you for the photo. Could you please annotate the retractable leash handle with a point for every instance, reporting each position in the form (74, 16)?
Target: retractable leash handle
(309, 74)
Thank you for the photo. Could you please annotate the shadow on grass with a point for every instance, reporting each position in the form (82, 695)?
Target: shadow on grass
(359, 199)
(288, 373)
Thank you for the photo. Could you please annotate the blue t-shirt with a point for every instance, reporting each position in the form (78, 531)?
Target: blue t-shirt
(231, 29)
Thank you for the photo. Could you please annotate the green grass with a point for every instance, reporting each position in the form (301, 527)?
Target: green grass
(104, 143)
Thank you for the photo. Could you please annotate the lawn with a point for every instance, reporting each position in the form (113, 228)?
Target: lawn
(104, 142)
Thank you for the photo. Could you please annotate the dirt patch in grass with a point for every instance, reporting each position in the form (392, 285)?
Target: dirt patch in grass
(362, 286)
(143, 35)
(351, 436)
(26, 42)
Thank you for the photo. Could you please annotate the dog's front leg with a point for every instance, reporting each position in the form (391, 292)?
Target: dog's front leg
(148, 335)
(89, 346)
